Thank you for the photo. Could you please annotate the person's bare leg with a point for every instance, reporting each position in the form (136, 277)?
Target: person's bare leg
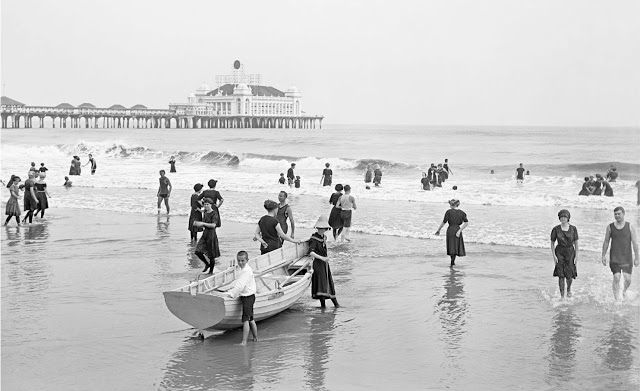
(569, 282)
(616, 286)
(245, 332)
(627, 283)
(159, 204)
(561, 286)
(254, 330)
(166, 203)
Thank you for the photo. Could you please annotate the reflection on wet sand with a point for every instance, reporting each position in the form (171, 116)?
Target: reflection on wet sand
(293, 340)
(563, 345)
(162, 228)
(617, 346)
(317, 356)
(452, 310)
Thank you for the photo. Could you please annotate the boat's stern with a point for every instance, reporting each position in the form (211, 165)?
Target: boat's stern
(200, 311)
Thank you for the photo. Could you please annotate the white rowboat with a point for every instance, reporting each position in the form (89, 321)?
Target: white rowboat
(203, 304)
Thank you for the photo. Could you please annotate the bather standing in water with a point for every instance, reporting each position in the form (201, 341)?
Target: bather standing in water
(565, 254)
(457, 221)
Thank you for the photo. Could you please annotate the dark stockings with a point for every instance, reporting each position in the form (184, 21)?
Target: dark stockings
(9, 218)
(28, 215)
(207, 265)
(453, 260)
(336, 233)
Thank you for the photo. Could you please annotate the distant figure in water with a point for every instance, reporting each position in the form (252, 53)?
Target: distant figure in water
(290, 175)
(282, 181)
(297, 182)
(638, 187)
(164, 191)
(527, 173)
(322, 286)
(520, 174)
(447, 169)
(72, 168)
(565, 254)
(597, 185)
(67, 182)
(612, 174)
(93, 164)
(607, 191)
(585, 191)
(623, 238)
(425, 182)
(33, 167)
(208, 243)
(13, 206)
(78, 165)
(377, 176)
(492, 172)
(457, 221)
(172, 161)
(245, 287)
(43, 168)
(368, 176)
(327, 175)
(455, 187)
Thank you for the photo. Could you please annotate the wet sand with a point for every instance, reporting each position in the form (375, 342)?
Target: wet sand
(82, 308)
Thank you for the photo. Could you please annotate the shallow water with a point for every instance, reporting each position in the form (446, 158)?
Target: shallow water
(84, 307)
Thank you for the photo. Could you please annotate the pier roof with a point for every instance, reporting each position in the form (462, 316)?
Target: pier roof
(6, 101)
(227, 89)
(87, 105)
(139, 107)
(65, 106)
(117, 106)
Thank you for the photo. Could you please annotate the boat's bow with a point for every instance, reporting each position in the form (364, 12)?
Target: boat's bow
(200, 311)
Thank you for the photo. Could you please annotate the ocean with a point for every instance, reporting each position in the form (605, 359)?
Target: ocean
(82, 291)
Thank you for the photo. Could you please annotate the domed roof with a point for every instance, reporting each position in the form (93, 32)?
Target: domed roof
(292, 89)
(87, 105)
(65, 106)
(242, 89)
(204, 87)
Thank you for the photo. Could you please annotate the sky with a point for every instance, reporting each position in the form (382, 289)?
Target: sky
(445, 62)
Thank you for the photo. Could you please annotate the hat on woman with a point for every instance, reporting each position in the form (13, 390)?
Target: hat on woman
(198, 186)
(564, 213)
(323, 222)
(454, 202)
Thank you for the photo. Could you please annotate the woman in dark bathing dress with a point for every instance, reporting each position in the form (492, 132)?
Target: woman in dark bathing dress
(335, 221)
(208, 243)
(457, 221)
(269, 232)
(195, 214)
(565, 254)
(322, 287)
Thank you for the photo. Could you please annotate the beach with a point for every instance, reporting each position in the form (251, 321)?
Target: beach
(82, 308)
(82, 303)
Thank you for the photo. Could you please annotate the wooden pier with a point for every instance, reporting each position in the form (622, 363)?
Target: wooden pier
(17, 115)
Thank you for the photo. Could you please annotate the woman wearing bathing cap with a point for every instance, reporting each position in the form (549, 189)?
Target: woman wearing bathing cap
(268, 232)
(457, 221)
(565, 254)
(208, 243)
(196, 212)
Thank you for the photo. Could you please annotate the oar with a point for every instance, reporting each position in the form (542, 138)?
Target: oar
(263, 272)
(281, 284)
